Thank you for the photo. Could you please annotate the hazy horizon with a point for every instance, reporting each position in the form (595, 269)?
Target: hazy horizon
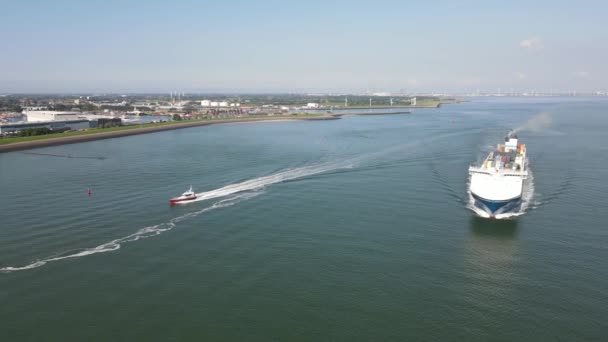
(271, 46)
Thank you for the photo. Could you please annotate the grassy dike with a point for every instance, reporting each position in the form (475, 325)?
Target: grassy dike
(22, 143)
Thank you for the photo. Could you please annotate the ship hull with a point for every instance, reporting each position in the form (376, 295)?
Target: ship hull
(497, 185)
(175, 201)
(493, 207)
(496, 194)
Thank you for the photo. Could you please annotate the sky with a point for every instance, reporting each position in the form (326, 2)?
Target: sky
(302, 46)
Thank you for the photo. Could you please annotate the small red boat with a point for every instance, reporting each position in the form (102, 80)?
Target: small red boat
(185, 197)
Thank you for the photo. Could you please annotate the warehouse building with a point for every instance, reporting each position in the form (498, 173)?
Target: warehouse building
(60, 126)
(50, 115)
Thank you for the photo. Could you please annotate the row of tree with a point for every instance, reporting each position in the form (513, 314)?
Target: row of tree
(10, 104)
(28, 132)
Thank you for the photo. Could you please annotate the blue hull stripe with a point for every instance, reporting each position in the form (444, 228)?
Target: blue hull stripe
(496, 207)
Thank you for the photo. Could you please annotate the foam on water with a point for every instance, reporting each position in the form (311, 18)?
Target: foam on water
(279, 177)
(241, 191)
(142, 233)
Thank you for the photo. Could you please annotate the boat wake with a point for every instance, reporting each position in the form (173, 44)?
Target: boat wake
(142, 233)
(279, 177)
(526, 198)
(239, 191)
(235, 193)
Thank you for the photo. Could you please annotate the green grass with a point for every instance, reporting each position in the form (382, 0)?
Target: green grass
(13, 140)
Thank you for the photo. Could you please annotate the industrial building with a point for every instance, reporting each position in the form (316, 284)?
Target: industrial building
(53, 120)
(14, 127)
(50, 115)
(208, 103)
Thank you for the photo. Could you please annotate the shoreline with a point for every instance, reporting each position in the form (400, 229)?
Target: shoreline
(53, 141)
(372, 113)
(434, 105)
(324, 110)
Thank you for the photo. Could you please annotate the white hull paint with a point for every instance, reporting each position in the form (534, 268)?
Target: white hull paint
(497, 186)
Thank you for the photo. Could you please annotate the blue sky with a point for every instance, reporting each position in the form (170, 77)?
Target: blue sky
(268, 46)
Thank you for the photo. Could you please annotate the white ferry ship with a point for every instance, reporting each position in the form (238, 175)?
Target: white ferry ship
(498, 184)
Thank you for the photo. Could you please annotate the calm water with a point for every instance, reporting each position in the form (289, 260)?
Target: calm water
(354, 229)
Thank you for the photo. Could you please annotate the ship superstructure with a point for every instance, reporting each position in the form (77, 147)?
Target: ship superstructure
(497, 184)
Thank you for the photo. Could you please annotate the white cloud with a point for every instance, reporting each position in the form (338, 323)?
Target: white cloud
(582, 74)
(532, 43)
(412, 81)
(521, 75)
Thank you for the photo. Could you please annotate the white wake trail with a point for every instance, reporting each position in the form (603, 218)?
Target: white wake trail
(279, 177)
(241, 191)
(142, 233)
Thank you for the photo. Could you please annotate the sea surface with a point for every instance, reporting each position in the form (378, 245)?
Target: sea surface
(352, 229)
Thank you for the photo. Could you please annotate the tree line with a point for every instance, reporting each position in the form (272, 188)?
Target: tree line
(28, 132)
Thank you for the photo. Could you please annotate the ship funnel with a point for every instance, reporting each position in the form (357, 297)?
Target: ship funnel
(511, 141)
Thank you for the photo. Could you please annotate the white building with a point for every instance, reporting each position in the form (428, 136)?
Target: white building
(205, 103)
(223, 104)
(50, 115)
(214, 104)
(312, 105)
(413, 101)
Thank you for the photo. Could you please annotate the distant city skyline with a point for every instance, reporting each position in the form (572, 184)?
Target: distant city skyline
(312, 46)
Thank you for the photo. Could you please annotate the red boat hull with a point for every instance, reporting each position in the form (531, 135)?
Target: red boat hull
(175, 201)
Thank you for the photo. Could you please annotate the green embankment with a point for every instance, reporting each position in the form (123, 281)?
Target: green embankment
(11, 140)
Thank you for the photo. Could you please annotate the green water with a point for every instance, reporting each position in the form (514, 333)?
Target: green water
(353, 229)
